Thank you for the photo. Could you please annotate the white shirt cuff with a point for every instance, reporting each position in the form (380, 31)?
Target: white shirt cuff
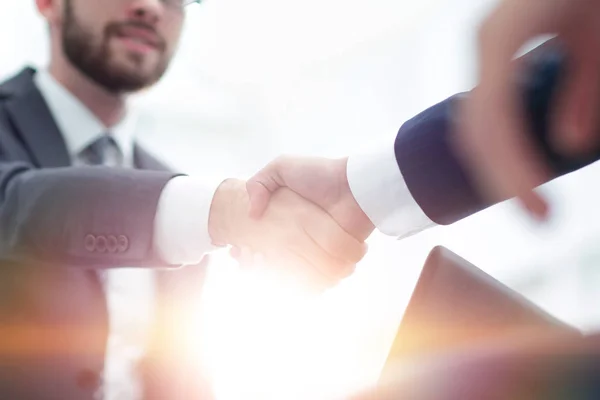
(380, 190)
(181, 224)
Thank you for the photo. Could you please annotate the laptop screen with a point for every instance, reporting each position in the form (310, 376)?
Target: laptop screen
(456, 304)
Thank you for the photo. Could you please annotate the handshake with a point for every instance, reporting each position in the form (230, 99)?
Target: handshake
(299, 215)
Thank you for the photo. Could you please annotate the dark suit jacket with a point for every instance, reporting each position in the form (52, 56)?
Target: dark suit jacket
(56, 224)
(435, 175)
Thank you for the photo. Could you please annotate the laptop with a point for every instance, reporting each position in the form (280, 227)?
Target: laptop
(454, 305)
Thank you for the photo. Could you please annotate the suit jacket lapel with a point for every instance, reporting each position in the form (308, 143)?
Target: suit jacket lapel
(144, 160)
(31, 116)
(41, 135)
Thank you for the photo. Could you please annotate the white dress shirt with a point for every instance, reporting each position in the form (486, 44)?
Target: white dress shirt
(181, 237)
(380, 190)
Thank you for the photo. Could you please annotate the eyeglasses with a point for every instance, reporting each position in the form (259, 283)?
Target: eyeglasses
(179, 4)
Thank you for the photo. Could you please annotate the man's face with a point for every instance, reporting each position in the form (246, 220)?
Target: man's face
(122, 45)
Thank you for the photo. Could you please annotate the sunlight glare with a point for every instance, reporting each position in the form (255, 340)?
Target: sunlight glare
(268, 341)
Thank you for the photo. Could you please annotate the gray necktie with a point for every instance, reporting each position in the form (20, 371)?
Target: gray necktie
(103, 151)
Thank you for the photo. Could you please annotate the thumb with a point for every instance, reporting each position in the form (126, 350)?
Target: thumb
(260, 187)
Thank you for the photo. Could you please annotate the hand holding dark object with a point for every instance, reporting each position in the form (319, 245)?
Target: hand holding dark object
(494, 138)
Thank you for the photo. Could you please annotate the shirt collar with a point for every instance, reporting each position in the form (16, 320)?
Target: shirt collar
(76, 122)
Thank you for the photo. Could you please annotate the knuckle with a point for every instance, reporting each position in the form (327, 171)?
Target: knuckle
(280, 161)
(335, 269)
(359, 253)
(346, 270)
(335, 246)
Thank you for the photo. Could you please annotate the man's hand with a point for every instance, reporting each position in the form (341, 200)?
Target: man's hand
(493, 137)
(321, 181)
(293, 234)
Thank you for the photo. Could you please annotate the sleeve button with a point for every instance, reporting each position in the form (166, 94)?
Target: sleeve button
(101, 244)
(90, 243)
(112, 243)
(122, 243)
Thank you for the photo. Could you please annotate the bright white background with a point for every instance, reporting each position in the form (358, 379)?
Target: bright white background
(255, 79)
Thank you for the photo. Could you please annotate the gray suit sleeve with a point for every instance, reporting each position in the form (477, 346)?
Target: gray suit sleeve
(85, 217)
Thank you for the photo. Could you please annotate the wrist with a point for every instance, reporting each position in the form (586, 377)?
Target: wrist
(228, 209)
(357, 223)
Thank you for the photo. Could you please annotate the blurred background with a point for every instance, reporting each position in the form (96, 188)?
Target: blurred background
(255, 79)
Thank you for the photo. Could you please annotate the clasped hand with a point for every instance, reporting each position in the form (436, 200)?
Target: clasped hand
(295, 238)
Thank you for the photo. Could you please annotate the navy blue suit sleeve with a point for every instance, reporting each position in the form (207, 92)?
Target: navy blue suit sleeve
(435, 175)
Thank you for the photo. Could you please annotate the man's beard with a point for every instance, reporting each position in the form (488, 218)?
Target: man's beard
(93, 58)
